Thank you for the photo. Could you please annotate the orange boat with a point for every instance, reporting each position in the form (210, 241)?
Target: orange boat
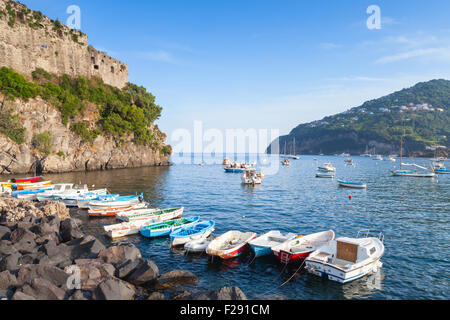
(32, 186)
(109, 212)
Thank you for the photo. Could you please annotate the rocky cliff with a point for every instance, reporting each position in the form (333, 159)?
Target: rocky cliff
(68, 151)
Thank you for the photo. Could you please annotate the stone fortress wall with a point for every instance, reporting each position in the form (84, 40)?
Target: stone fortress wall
(30, 40)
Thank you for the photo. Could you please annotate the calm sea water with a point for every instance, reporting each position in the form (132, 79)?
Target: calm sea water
(412, 213)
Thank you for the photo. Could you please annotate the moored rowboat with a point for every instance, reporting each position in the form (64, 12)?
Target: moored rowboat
(145, 214)
(23, 180)
(197, 231)
(166, 228)
(111, 212)
(263, 245)
(231, 244)
(296, 250)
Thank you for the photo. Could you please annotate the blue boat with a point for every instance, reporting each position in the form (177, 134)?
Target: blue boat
(234, 170)
(262, 246)
(188, 233)
(350, 184)
(442, 171)
(29, 192)
(161, 229)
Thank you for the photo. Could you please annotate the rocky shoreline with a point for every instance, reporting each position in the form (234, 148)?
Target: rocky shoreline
(44, 255)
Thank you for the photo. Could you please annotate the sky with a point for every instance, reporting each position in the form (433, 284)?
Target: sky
(265, 64)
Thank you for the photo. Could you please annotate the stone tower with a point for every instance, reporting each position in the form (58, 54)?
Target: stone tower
(30, 40)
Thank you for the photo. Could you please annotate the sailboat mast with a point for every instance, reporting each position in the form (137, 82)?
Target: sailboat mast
(401, 150)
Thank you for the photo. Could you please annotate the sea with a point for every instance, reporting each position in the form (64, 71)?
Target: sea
(412, 213)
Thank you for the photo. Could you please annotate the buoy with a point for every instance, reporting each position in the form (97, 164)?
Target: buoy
(350, 197)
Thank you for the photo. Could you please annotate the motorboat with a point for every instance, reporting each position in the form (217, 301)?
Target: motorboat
(347, 259)
(251, 177)
(327, 167)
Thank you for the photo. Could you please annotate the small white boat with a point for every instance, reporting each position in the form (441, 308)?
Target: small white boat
(250, 176)
(350, 184)
(230, 245)
(263, 245)
(347, 259)
(378, 158)
(197, 246)
(327, 167)
(145, 214)
(116, 202)
(58, 189)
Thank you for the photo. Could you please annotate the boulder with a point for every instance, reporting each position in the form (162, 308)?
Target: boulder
(225, 293)
(119, 254)
(146, 273)
(87, 247)
(26, 246)
(7, 280)
(69, 230)
(42, 289)
(19, 295)
(124, 270)
(43, 229)
(175, 277)
(5, 232)
(156, 296)
(81, 295)
(6, 247)
(10, 262)
(114, 289)
(53, 274)
(21, 234)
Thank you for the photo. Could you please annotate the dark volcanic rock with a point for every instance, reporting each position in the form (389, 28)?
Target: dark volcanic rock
(145, 273)
(6, 247)
(10, 262)
(125, 269)
(42, 289)
(156, 296)
(21, 234)
(25, 246)
(5, 232)
(53, 274)
(175, 277)
(225, 293)
(7, 280)
(114, 289)
(119, 254)
(69, 230)
(19, 295)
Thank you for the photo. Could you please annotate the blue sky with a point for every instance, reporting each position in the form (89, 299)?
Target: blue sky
(265, 64)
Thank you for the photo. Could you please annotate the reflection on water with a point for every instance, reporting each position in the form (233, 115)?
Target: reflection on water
(412, 213)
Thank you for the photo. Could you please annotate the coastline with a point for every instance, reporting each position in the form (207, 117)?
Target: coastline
(44, 255)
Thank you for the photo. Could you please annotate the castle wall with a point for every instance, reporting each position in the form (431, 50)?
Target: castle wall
(58, 50)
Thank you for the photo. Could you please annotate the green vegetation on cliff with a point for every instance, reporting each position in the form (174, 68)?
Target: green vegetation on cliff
(123, 112)
(422, 112)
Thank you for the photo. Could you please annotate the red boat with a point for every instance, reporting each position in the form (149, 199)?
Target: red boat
(24, 180)
(231, 244)
(297, 250)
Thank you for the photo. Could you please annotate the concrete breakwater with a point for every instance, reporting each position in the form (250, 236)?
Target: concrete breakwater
(44, 255)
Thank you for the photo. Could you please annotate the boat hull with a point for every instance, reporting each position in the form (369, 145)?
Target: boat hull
(338, 275)
(233, 252)
(234, 170)
(181, 241)
(287, 257)
(261, 250)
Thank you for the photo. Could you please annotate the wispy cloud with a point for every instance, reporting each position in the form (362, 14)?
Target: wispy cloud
(439, 53)
(330, 45)
(158, 55)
